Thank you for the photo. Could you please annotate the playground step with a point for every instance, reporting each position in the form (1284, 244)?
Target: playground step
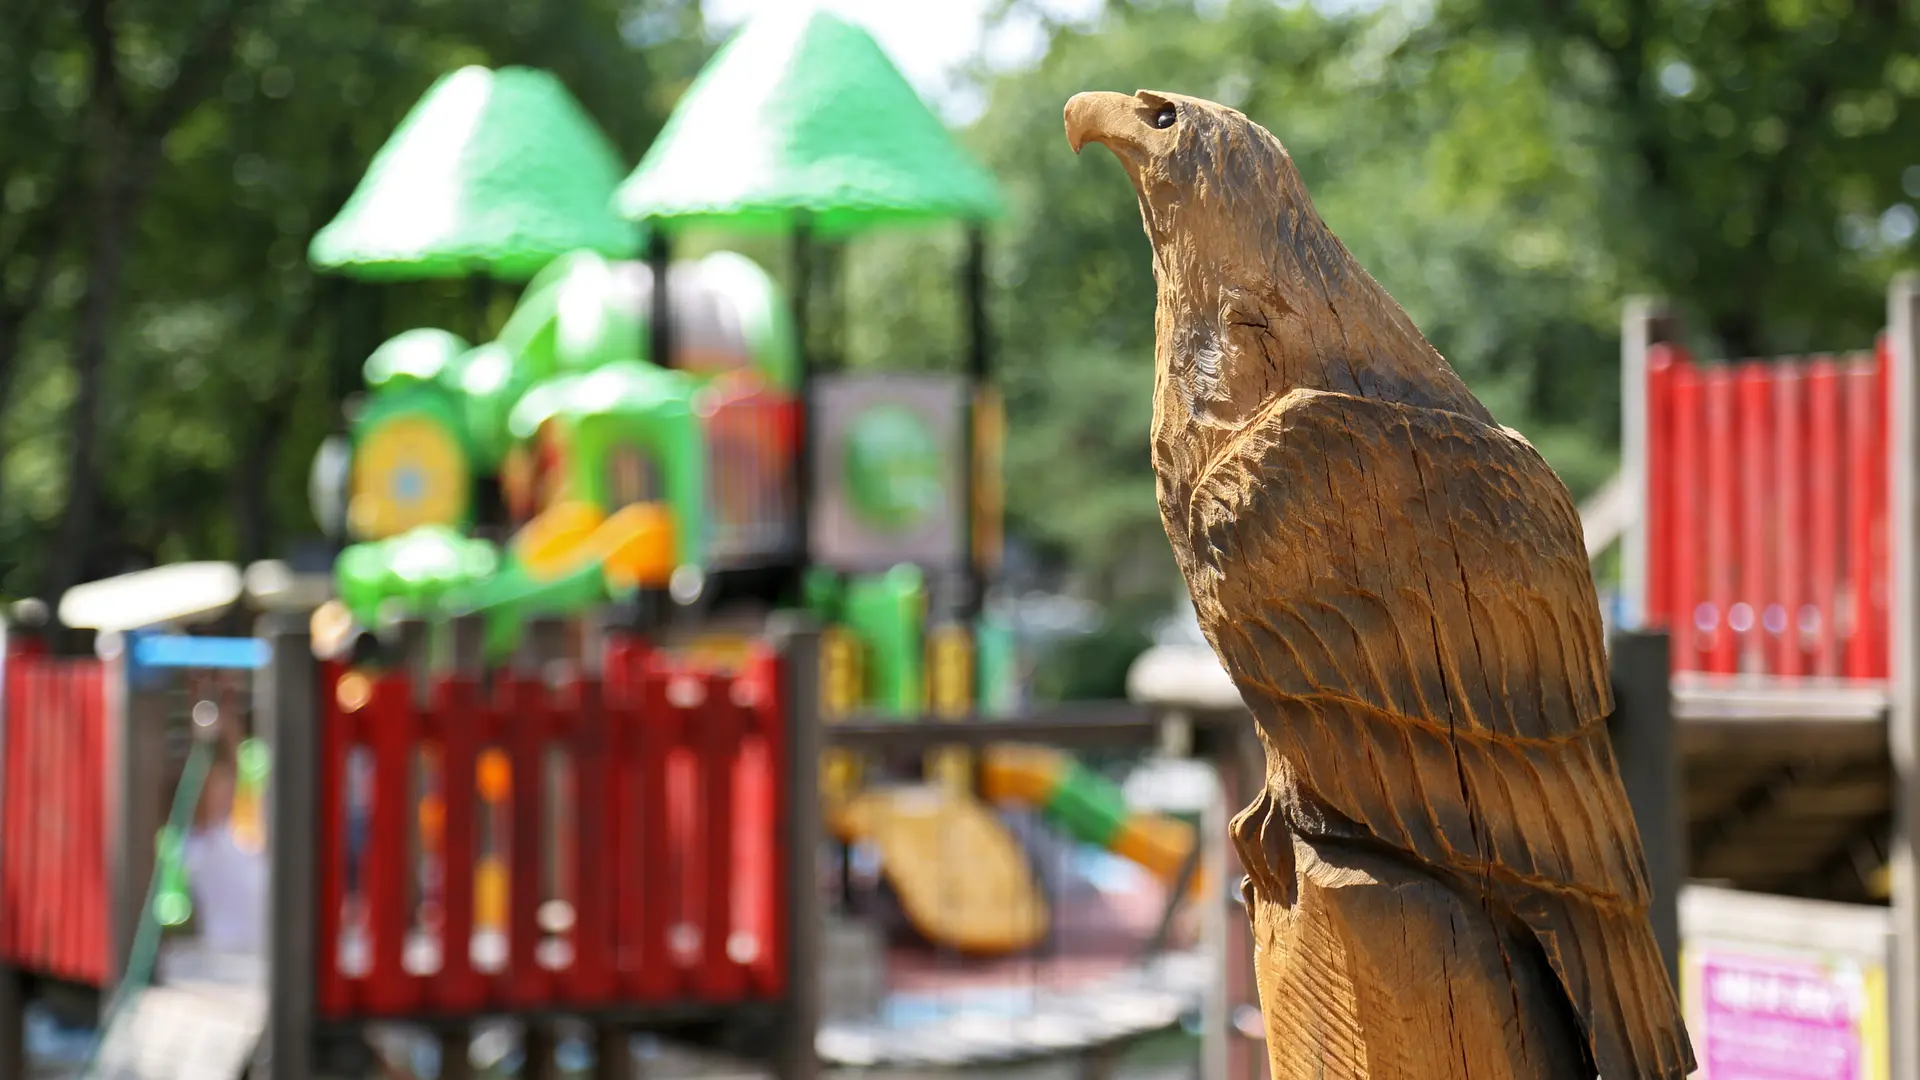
(186, 1031)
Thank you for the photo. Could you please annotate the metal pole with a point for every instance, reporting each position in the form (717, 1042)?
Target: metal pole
(1903, 721)
(803, 463)
(794, 1054)
(1647, 749)
(660, 312)
(979, 370)
(480, 298)
(286, 699)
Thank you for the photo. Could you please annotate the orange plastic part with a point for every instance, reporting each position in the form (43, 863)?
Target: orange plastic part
(638, 547)
(551, 544)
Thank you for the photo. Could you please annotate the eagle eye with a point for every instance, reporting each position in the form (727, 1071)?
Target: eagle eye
(1164, 117)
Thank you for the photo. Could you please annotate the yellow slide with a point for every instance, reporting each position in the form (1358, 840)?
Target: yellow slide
(635, 544)
(963, 880)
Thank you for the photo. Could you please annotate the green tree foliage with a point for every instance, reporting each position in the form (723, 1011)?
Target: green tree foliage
(1509, 169)
(168, 366)
(1759, 157)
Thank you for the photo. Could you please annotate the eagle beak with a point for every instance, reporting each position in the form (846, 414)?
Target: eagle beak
(1099, 116)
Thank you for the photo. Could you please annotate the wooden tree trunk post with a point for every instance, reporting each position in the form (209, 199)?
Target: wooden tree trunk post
(1903, 721)
(794, 1054)
(287, 701)
(1648, 752)
(1644, 323)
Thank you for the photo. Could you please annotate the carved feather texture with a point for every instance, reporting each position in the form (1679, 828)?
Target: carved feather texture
(1399, 588)
(1402, 596)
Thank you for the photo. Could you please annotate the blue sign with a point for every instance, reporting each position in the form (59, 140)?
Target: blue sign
(181, 651)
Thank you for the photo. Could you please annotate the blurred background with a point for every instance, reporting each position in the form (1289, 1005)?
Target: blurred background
(171, 366)
(1508, 169)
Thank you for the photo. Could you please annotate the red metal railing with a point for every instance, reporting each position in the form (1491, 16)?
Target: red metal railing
(1767, 513)
(639, 855)
(53, 818)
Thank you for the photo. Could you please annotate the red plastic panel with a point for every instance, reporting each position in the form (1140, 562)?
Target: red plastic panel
(458, 726)
(1866, 483)
(1791, 536)
(1825, 495)
(1723, 506)
(1767, 513)
(1686, 515)
(1661, 362)
(640, 855)
(1757, 648)
(53, 906)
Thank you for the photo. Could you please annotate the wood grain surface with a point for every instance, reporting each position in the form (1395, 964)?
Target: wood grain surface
(1443, 872)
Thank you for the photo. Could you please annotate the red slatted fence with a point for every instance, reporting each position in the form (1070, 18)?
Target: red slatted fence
(1767, 513)
(54, 814)
(660, 781)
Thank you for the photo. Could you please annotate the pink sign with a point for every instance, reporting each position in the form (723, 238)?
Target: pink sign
(1778, 1019)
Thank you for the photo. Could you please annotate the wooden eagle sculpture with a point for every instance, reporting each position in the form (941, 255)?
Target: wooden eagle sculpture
(1443, 873)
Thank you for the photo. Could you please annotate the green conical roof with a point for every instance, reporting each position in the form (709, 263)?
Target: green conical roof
(802, 113)
(494, 171)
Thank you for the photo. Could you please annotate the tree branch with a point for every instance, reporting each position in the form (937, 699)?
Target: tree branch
(198, 72)
(104, 45)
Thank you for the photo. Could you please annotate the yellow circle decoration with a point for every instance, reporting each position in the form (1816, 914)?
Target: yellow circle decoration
(407, 472)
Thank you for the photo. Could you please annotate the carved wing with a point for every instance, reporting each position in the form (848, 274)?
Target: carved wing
(1403, 598)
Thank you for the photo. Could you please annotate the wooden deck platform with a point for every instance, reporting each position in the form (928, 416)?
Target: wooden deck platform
(1788, 786)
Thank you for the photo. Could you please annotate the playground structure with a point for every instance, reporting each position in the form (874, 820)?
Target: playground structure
(642, 915)
(567, 762)
(660, 914)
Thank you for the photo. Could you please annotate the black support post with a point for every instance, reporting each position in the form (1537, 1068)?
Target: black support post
(1647, 748)
(802, 286)
(660, 312)
(794, 1055)
(287, 710)
(979, 371)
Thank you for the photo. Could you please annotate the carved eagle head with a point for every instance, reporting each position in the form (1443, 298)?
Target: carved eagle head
(1257, 297)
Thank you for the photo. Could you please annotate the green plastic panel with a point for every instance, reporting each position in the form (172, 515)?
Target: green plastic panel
(637, 404)
(888, 613)
(996, 667)
(1087, 806)
(490, 383)
(424, 356)
(416, 569)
